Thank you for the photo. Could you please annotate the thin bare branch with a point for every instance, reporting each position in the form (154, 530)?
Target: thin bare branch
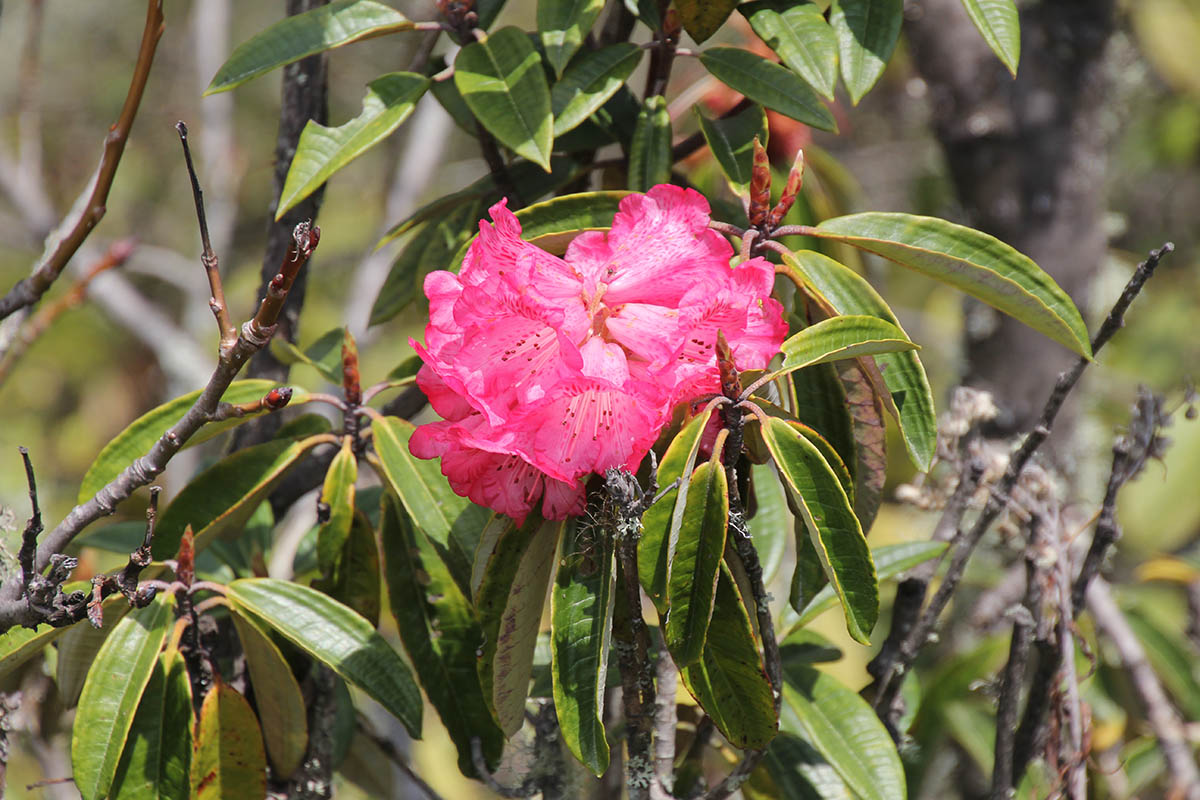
(29, 290)
(398, 758)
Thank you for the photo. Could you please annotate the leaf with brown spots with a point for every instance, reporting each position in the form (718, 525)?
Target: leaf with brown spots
(229, 762)
(870, 450)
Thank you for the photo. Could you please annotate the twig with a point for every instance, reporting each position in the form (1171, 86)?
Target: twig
(254, 336)
(116, 255)
(1076, 766)
(528, 788)
(1163, 719)
(27, 291)
(274, 400)
(666, 717)
(208, 258)
(389, 750)
(998, 498)
(33, 528)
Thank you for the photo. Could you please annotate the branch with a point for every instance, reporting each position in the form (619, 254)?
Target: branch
(999, 497)
(389, 750)
(29, 290)
(1163, 719)
(666, 717)
(253, 337)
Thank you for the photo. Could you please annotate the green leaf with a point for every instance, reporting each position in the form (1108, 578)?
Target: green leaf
(846, 732)
(79, 645)
(141, 434)
(440, 633)
(338, 637)
(157, 758)
(798, 770)
(821, 402)
(502, 81)
(581, 607)
(800, 36)
(890, 561)
(563, 24)
(772, 522)
(454, 524)
(870, 440)
(510, 603)
(1000, 25)
(867, 31)
(589, 82)
(838, 338)
(229, 762)
(806, 646)
(18, 645)
(554, 223)
(650, 151)
(291, 39)
(430, 248)
(219, 500)
(729, 681)
(356, 583)
(276, 694)
(833, 529)
(338, 495)
(661, 523)
(978, 264)
(903, 374)
(1172, 661)
(111, 694)
(324, 354)
(693, 579)
(731, 140)
(702, 18)
(768, 83)
(322, 150)
(488, 10)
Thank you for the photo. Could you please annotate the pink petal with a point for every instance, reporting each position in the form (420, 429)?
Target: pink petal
(604, 361)
(651, 333)
(448, 403)
(562, 501)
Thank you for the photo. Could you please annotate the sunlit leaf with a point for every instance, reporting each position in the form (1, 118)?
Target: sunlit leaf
(866, 31)
(589, 82)
(323, 150)
(767, 83)
(800, 36)
(838, 338)
(229, 762)
(731, 140)
(336, 636)
(650, 152)
(157, 759)
(978, 264)
(291, 39)
(581, 605)
(694, 569)
(502, 81)
(79, 645)
(111, 694)
(562, 25)
(702, 18)
(509, 603)
(1000, 25)
(338, 494)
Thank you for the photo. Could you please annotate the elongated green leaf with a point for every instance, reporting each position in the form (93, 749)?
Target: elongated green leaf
(806, 646)
(322, 150)
(18, 645)
(846, 732)
(1000, 25)
(221, 499)
(890, 561)
(800, 36)
(79, 645)
(338, 495)
(798, 770)
(440, 632)
(563, 24)
(552, 224)
(650, 152)
(280, 703)
(731, 140)
(821, 402)
(768, 83)
(141, 434)
(338, 637)
(356, 581)
(661, 523)
(839, 338)
(870, 440)
(1172, 661)
(323, 355)
(772, 522)
(589, 82)
(324, 28)
(849, 293)
(693, 580)
(502, 81)
(702, 18)
(454, 524)
(229, 761)
(833, 529)
(729, 681)
(582, 613)
(158, 754)
(980, 265)
(866, 31)
(111, 694)
(510, 603)
(430, 248)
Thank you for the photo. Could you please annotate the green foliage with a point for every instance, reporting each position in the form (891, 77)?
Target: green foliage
(767, 83)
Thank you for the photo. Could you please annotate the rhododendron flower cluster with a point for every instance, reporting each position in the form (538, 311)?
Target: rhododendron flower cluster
(546, 369)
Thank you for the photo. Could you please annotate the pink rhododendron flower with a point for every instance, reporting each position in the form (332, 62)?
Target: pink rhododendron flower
(546, 369)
